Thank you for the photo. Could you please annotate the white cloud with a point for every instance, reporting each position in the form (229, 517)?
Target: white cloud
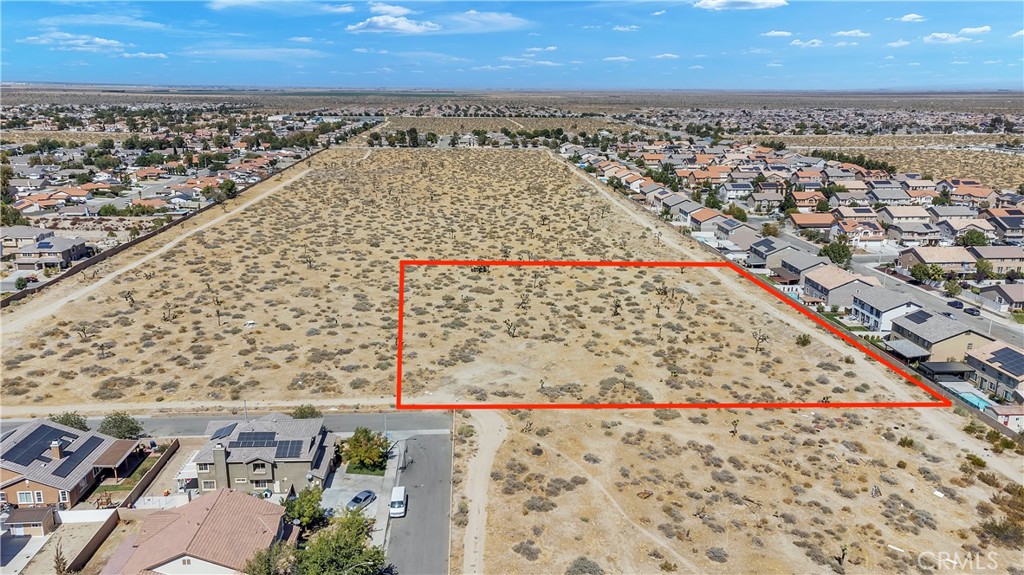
(160, 55)
(1017, 34)
(258, 54)
(545, 63)
(911, 18)
(773, 65)
(913, 63)
(738, 4)
(301, 39)
(944, 38)
(992, 61)
(341, 9)
(777, 34)
(658, 13)
(815, 43)
(898, 43)
(544, 49)
(490, 68)
(630, 28)
(618, 59)
(666, 56)
(98, 20)
(845, 43)
(959, 62)
(474, 22)
(388, 9)
(696, 67)
(593, 27)
(398, 25)
(427, 55)
(756, 51)
(857, 33)
(368, 51)
(976, 30)
(64, 41)
(890, 57)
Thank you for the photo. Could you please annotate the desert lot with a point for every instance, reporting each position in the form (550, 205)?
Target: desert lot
(314, 266)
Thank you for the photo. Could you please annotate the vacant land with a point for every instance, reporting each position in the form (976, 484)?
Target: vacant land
(572, 334)
(446, 126)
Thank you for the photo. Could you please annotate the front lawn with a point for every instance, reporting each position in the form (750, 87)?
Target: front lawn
(1019, 316)
(132, 480)
(354, 469)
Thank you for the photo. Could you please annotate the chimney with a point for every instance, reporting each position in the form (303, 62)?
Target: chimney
(56, 450)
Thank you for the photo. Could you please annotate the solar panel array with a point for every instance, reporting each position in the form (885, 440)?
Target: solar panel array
(234, 444)
(36, 444)
(291, 448)
(224, 431)
(1009, 360)
(257, 436)
(76, 457)
(919, 317)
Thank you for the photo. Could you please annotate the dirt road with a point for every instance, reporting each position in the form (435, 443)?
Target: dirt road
(491, 431)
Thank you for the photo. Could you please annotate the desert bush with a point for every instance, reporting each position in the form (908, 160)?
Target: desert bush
(584, 566)
(527, 549)
(803, 340)
(717, 554)
(540, 504)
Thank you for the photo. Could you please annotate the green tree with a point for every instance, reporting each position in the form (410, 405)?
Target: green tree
(926, 272)
(822, 206)
(737, 212)
(788, 203)
(109, 210)
(306, 508)
(306, 411)
(70, 419)
(278, 559)
(12, 217)
(20, 284)
(983, 269)
(342, 549)
(952, 288)
(838, 251)
(769, 229)
(229, 188)
(120, 425)
(972, 238)
(6, 175)
(366, 449)
(713, 201)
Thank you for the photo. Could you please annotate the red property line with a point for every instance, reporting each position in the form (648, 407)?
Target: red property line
(943, 402)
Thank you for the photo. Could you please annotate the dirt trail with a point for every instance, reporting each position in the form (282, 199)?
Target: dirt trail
(22, 318)
(151, 407)
(491, 431)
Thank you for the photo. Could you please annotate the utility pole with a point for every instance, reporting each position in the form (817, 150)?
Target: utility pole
(245, 409)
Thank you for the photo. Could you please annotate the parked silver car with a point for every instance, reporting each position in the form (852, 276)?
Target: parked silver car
(361, 500)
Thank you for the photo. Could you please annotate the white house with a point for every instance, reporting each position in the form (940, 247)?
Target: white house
(876, 307)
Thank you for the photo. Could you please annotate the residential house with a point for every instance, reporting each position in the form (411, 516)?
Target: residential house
(1012, 416)
(807, 201)
(1009, 199)
(913, 184)
(738, 233)
(913, 234)
(951, 230)
(705, 220)
(767, 252)
(998, 370)
(273, 453)
(922, 197)
(1002, 212)
(849, 198)
(973, 196)
(863, 235)
(14, 237)
(765, 202)
(952, 259)
(889, 215)
(937, 214)
(834, 286)
(215, 534)
(951, 184)
(43, 463)
(735, 191)
(685, 210)
(924, 335)
(889, 196)
(31, 521)
(810, 221)
(52, 252)
(1009, 230)
(1002, 258)
(855, 214)
(877, 306)
(859, 186)
(1008, 297)
(794, 264)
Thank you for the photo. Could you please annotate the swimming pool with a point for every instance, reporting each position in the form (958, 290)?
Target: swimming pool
(977, 401)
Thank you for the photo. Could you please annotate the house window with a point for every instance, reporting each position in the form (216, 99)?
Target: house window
(970, 345)
(24, 498)
(3, 497)
(203, 467)
(260, 483)
(63, 496)
(259, 467)
(209, 485)
(39, 496)
(186, 561)
(241, 480)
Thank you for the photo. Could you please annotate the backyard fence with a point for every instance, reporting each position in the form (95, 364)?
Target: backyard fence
(150, 475)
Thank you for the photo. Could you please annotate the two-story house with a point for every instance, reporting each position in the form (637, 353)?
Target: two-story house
(51, 252)
(924, 335)
(903, 215)
(834, 286)
(1002, 258)
(877, 306)
(998, 370)
(767, 251)
(952, 259)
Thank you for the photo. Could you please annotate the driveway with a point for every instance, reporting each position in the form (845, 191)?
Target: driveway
(341, 487)
(16, 552)
(419, 542)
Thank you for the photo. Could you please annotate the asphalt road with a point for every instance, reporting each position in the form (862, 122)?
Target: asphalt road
(988, 324)
(419, 542)
(160, 426)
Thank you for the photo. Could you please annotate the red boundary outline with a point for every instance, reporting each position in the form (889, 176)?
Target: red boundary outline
(943, 402)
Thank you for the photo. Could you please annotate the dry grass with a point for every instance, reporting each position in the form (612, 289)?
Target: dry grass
(30, 136)
(896, 141)
(995, 170)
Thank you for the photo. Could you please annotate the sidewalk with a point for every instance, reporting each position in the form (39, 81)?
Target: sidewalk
(381, 524)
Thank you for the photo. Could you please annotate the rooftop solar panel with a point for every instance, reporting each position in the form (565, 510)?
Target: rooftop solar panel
(36, 444)
(224, 431)
(919, 317)
(1009, 360)
(257, 436)
(76, 457)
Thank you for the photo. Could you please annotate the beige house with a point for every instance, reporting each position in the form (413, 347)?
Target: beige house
(926, 336)
(834, 286)
(1002, 258)
(998, 370)
(954, 259)
(903, 215)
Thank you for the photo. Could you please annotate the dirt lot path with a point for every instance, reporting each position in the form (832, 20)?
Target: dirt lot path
(152, 407)
(41, 308)
(491, 430)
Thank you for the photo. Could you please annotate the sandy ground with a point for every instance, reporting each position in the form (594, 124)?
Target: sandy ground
(71, 537)
(99, 560)
(166, 479)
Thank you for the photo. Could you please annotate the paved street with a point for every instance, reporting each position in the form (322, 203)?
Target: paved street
(988, 323)
(160, 426)
(418, 543)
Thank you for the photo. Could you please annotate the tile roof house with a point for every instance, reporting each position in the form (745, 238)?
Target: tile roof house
(13, 237)
(852, 197)
(973, 196)
(51, 253)
(736, 232)
(951, 230)
(953, 259)
(834, 286)
(1012, 416)
(214, 534)
(862, 235)
(998, 370)
(767, 252)
(924, 335)
(903, 214)
(1007, 296)
(938, 213)
(914, 234)
(810, 221)
(807, 201)
(951, 184)
(794, 265)
(1009, 229)
(857, 214)
(46, 463)
(275, 452)
(877, 306)
(1002, 258)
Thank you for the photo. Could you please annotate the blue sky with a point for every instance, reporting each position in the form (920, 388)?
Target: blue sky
(700, 44)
